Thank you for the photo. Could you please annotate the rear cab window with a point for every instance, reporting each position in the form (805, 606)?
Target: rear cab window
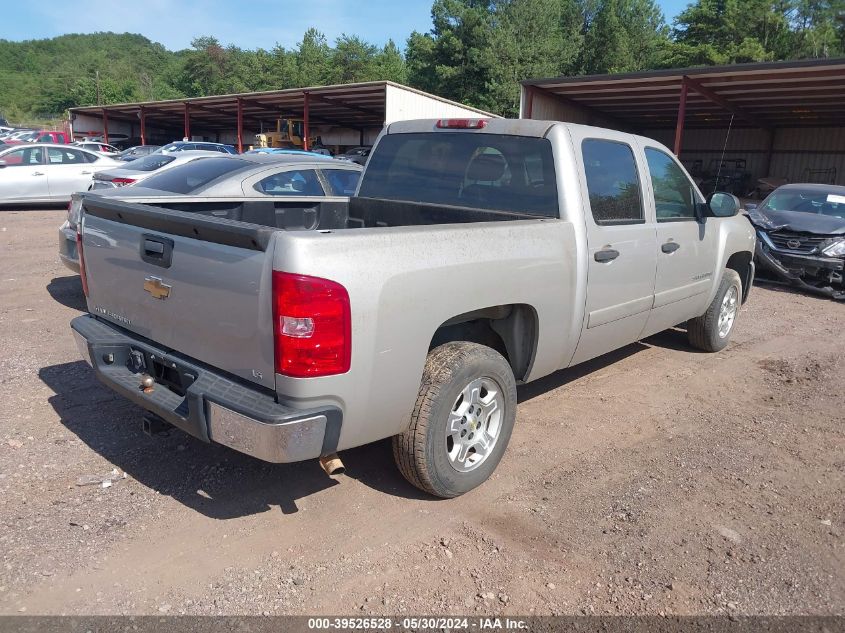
(613, 182)
(194, 175)
(481, 171)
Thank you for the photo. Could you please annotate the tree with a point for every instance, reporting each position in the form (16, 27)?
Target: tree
(531, 38)
(314, 60)
(624, 36)
(390, 65)
(353, 59)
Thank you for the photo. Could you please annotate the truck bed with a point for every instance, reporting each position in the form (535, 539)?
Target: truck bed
(332, 216)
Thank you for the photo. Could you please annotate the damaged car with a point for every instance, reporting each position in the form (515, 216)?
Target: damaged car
(801, 237)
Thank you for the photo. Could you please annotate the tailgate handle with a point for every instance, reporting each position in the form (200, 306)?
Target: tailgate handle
(156, 250)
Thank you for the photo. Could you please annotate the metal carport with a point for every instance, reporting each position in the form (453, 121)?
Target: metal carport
(362, 107)
(787, 118)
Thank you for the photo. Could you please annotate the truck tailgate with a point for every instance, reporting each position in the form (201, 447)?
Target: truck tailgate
(197, 285)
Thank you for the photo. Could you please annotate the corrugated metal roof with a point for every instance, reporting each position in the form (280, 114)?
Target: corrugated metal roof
(356, 105)
(775, 94)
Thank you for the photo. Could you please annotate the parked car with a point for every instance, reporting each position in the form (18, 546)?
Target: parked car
(248, 183)
(139, 170)
(137, 151)
(476, 254)
(182, 146)
(356, 155)
(290, 152)
(46, 173)
(16, 134)
(102, 148)
(117, 139)
(42, 136)
(801, 237)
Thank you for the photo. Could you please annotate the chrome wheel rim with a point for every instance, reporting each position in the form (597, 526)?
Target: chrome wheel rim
(474, 425)
(727, 313)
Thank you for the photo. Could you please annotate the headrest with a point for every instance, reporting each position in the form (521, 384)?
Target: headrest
(486, 167)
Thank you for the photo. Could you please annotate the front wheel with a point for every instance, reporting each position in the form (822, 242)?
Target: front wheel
(712, 331)
(462, 420)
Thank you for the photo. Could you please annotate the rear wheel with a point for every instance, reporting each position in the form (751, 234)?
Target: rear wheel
(462, 420)
(712, 331)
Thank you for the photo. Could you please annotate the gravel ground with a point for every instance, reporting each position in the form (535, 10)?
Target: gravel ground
(654, 480)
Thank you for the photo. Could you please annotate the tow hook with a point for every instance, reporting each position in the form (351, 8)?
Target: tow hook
(332, 465)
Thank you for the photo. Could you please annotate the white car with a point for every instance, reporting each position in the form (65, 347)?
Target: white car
(45, 172)
(102, 148)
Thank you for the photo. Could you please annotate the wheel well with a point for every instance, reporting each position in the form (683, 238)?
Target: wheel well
(741, 263)
(509, 329)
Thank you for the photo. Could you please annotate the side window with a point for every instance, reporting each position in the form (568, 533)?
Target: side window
(296, 182)
(24, 157)
(612, 182)
(57, 156)
(674, 194)
(342, 181)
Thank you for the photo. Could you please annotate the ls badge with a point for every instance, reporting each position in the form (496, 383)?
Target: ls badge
(157, 288)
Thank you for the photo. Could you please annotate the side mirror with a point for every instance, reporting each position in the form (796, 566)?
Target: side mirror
(750, 206)
(723, 205)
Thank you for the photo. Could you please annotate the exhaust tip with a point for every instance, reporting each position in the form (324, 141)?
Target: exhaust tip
(332, 465)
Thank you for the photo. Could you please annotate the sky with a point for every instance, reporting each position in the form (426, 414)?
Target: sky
(247, 24)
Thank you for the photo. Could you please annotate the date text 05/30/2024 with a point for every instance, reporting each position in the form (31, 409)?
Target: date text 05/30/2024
(416, 624)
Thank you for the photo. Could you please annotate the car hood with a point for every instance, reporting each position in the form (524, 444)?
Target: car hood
(797, 221)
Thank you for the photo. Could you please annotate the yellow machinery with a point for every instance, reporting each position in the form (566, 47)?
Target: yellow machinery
(289, 133)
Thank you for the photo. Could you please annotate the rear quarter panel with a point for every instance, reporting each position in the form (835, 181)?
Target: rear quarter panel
(404, 283)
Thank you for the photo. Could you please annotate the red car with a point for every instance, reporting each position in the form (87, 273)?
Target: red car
(43, 136)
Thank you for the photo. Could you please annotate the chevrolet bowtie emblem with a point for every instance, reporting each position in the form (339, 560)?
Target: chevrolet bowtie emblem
(157, 288)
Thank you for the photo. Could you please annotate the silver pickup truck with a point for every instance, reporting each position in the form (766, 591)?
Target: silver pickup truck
(477, 255)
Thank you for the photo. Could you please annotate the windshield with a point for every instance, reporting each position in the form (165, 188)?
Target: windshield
(806, 201)
(480, 171)
(171, 147)
(149, 163)
(191, 176)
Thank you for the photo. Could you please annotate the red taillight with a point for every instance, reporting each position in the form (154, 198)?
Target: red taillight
(462, 124)
(123, 181)
(80, 255)
(311, 326)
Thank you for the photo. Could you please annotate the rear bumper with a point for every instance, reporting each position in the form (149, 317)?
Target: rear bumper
(67, 247)
(206, 403)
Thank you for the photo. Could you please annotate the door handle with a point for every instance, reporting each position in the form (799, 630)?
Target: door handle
(606, 255)
(86, 173)
(156, 250)
(670, 247)
(38, 173)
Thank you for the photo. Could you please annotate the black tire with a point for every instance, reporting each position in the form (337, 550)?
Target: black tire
(421, 451)
(703, 331)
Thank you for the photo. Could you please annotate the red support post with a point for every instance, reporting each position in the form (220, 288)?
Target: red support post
(240, 125)
(187, 123)
(105, 126)
(143, 126)
(682, 113)
(306, 107)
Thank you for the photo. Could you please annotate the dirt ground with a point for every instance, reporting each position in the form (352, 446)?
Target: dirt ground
(654, 480)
